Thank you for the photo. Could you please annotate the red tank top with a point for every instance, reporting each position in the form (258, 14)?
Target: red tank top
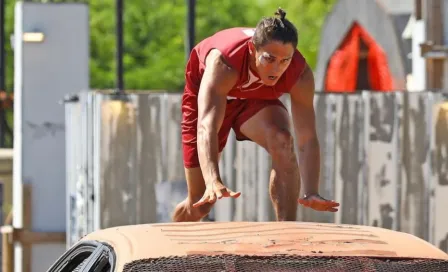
(233, 44)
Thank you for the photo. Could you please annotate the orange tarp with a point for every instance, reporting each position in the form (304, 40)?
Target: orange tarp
(342, 72)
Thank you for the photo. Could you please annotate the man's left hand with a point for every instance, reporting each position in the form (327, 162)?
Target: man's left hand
(318, 203)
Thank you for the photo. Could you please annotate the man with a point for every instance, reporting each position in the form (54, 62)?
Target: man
(233, 80)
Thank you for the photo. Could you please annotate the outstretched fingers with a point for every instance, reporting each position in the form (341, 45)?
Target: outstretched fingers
(304, 202)
(223, 191)
(206, 199)
(230, 193)
(331, 206)
(202, 201)
(319, 204)
(215, 195)
(219, 193)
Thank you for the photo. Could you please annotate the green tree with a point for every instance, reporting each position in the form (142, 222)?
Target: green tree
(155, 41)
(155, 34)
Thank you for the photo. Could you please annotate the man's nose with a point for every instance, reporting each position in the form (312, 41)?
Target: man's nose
(275, 68)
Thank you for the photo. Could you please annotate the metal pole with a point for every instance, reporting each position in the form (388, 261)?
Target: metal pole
(2, 45)
(191, 5)
(2, 70)
(119, 45)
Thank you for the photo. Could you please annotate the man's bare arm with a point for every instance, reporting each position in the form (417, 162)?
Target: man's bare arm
(217, 81)
(302, 108)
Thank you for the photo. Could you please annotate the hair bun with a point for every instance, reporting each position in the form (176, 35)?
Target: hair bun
(280, 12)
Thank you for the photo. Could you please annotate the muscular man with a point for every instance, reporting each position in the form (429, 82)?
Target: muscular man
(233, 81)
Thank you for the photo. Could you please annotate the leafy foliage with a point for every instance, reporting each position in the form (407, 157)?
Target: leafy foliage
(155, 34)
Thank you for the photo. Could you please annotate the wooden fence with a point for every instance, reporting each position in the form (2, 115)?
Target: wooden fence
(384, 157)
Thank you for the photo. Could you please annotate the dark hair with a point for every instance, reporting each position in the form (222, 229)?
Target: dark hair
(275, 28)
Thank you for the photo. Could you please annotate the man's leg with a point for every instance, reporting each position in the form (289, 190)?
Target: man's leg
(184, 211)
(269, 127)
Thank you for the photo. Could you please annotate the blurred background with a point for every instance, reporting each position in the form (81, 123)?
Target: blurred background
(90, 116)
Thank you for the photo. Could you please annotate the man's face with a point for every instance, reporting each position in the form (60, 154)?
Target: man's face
(272, 60)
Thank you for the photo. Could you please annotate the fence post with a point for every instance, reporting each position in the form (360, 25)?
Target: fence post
(7, 245)
(25, 236)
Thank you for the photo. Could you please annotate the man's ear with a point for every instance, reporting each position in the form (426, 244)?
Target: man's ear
(251, 48)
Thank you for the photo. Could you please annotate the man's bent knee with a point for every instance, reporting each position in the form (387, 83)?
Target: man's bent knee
(280, 145)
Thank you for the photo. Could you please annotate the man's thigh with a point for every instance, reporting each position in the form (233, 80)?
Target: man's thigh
(189, 128)
(260, 120)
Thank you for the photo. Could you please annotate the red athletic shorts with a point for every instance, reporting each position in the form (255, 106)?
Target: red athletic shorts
(238, 111)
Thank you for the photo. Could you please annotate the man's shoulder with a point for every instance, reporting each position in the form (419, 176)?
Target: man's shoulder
(231, 44)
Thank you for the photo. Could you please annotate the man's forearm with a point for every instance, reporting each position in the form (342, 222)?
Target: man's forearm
(208, 153)
(302, 106)
(309, 165)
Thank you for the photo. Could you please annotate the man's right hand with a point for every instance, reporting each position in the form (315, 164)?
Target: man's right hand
(215, 190)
